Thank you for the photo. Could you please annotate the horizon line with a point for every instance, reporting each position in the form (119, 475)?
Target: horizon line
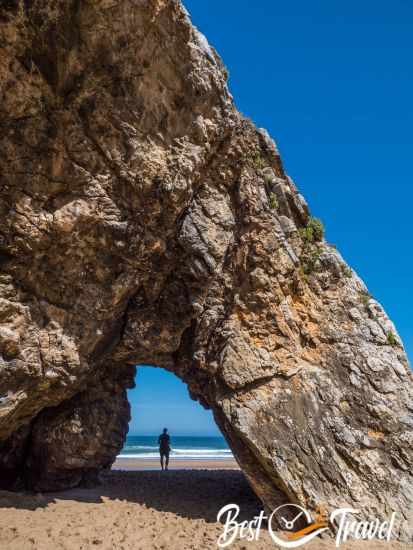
(178, 434)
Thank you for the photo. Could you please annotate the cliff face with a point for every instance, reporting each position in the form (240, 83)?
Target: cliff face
(144, 220)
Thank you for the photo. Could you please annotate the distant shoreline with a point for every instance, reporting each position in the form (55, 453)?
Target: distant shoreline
(174, 458)
(132, 464)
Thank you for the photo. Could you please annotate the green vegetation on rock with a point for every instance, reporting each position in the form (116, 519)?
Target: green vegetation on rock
(391, 338)
(313, 232)
(365, 298)
(273, 201)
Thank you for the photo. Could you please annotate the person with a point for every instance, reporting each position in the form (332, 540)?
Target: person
(164, 448)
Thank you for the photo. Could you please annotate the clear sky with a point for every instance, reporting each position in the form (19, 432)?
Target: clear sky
(161, 400)
(332, 82)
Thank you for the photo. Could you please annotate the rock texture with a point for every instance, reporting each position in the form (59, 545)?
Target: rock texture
(144, 220)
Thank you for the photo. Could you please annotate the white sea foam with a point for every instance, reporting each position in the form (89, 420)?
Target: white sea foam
(180, 451)
(190, 453)
(148, 456)
(202, 451)
(181, 448)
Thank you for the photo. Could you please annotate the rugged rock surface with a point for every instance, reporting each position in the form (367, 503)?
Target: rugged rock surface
(145, 220)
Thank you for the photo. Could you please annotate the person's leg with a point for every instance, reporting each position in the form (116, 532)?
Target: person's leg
(166, 461)
(161, 455)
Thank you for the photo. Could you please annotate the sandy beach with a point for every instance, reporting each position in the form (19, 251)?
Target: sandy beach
(131, 464)
(137, 510)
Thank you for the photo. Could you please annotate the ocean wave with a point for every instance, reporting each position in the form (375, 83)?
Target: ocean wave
(177, 451)
(188, 456)
(139, 447)
(202, 451)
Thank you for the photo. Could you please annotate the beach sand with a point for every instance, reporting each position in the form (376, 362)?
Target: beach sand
(176, 464)
(137, 510)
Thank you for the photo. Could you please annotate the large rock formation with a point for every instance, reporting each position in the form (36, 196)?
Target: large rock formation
(144, 220)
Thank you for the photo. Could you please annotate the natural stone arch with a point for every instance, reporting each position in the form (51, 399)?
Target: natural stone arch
(144, 220)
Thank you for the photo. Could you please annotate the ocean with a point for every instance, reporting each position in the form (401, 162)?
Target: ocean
(185, 447)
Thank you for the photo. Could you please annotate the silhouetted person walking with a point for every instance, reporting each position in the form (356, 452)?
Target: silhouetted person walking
(164, 448)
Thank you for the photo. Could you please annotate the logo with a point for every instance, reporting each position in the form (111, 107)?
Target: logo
(298, 523)
(291, 526)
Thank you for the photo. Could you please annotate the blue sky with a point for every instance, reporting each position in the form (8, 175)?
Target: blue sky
(332, 82)
(161, 400)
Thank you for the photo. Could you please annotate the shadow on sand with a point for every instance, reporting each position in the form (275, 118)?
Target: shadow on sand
(193, 494)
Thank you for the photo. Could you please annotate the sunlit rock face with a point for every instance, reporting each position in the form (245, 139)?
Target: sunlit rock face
(144, 220)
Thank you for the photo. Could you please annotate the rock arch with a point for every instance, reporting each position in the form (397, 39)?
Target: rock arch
(144, 220)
